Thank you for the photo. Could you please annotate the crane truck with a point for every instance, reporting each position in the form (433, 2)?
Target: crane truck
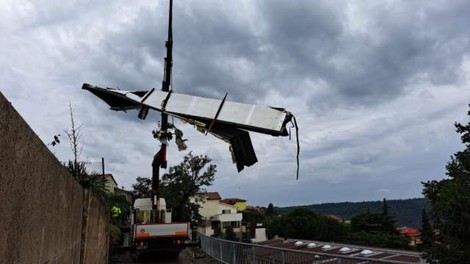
(154, 231)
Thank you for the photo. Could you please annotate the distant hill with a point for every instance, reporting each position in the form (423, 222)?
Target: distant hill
(407, 212)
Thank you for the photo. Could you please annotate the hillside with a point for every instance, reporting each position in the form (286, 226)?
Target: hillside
(407, 212)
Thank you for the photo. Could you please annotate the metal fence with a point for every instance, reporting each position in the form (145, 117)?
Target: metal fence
(232, 252)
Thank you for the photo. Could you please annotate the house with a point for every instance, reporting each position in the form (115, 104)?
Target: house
(218, 214)
(412, 233)
(336, 218)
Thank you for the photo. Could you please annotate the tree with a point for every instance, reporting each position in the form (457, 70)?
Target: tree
(302, 223)
(143, 187)
(270, 211)
(388, 222)
(427, 234)
(251, 218)
(450, 201)
(86, 178)
(74, 135)
(186, 180)
(230, 234)
(368, 222)
(375, 222)
(377, 229)
(78, 169)
(272, 226)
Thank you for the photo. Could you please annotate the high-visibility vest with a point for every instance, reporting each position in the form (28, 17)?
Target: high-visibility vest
(115, 211)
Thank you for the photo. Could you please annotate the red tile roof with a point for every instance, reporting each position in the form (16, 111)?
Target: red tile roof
(408, 231)
(232, 201)
(213, 196)
(336, 218)
(254, 208)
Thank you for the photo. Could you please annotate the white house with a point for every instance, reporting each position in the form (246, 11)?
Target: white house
(218, 216)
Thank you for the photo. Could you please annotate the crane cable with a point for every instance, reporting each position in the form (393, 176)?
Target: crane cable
(294, 125)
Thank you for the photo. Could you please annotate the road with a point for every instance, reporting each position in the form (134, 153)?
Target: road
(184, 258)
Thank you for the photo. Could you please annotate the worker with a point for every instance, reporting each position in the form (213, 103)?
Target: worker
(115, 211)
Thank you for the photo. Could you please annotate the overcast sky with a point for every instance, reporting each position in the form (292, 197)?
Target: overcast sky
(376, 86)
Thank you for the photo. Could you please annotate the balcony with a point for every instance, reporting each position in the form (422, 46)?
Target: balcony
(227, 217)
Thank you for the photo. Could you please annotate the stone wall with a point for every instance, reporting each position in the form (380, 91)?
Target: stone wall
(41, 204)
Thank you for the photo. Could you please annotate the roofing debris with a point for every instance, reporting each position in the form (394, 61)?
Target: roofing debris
(229, 121)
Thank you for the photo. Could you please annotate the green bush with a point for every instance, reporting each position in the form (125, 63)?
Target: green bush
(114, 234)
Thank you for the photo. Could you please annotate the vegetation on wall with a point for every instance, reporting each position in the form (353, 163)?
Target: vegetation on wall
(91, 180)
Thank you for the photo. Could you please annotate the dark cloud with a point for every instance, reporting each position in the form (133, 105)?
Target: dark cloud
(375, 87)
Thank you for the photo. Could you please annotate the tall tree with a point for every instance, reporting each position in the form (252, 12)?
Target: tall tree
(377, 229)
(270, 211)
(388, 222)
(143, 187)
(186, 180)
(427, 234)
(77, 168)
(74, 135)
(375, 222)
(450, 200)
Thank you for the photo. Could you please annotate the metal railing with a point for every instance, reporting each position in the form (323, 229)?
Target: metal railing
(232, 252)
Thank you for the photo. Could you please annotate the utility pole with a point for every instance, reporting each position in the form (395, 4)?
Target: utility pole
(163, 135)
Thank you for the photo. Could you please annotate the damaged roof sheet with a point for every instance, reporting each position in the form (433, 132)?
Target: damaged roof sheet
(227, 120)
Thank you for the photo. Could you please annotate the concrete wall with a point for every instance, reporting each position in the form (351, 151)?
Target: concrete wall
(41, 205)
(95, 239)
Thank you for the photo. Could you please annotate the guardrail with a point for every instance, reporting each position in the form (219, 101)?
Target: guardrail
(232, 252)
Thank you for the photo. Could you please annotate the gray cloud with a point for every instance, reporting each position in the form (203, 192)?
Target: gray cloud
(375, 87)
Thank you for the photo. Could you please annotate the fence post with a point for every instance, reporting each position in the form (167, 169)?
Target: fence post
(234, 256)
(211, 247)
(338, 260)
(220, 246)
(283, 255)
(253, 248)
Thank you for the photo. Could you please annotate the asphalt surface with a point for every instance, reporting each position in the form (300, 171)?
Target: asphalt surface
(185, 257)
